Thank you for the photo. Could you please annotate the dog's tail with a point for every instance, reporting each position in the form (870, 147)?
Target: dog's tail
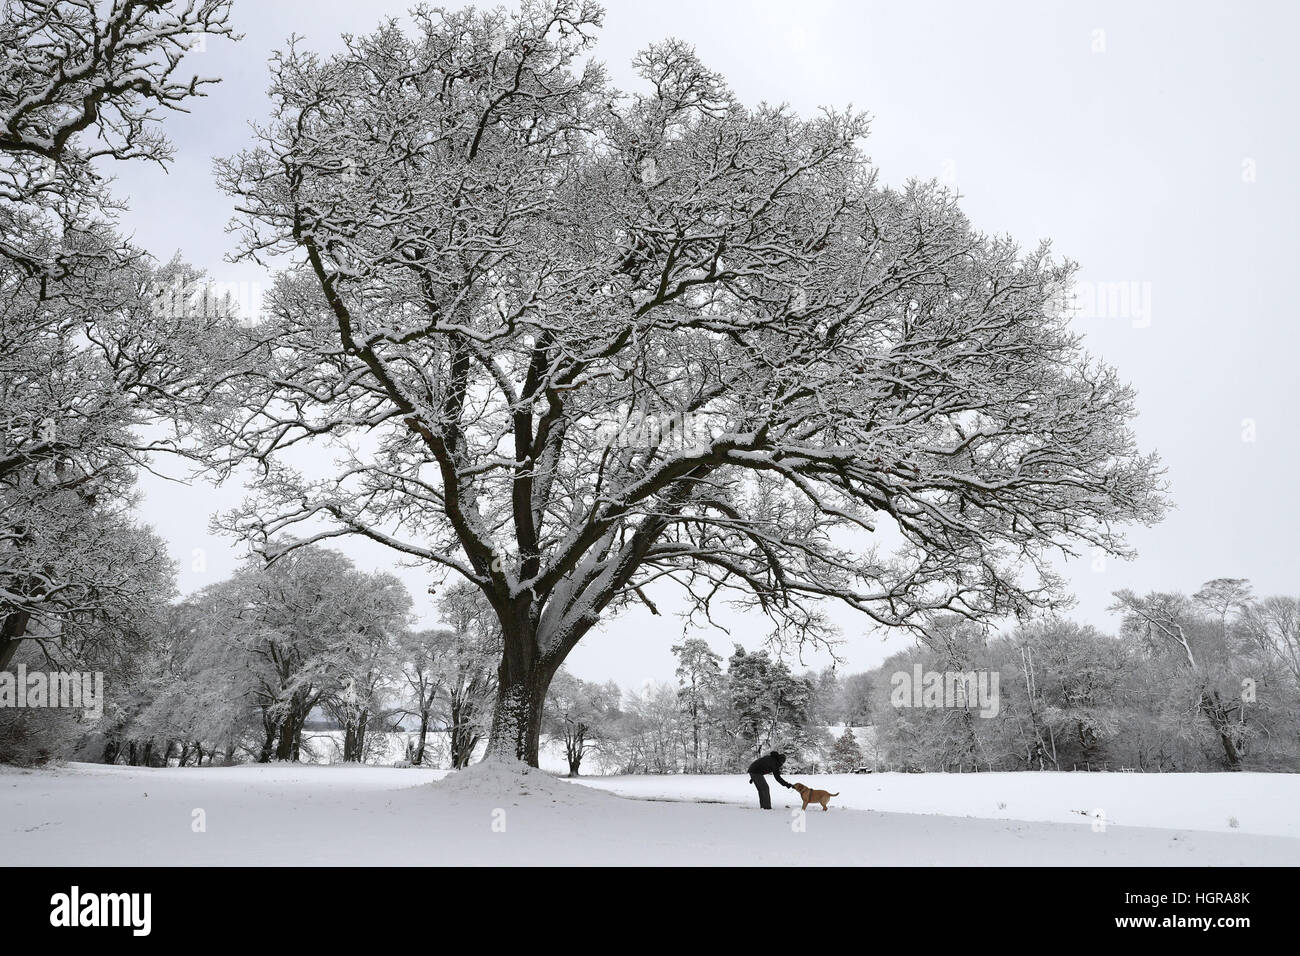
(834, 794)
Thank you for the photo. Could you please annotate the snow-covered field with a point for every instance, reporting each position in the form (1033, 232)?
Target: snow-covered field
(294, 814)
(1258, 803)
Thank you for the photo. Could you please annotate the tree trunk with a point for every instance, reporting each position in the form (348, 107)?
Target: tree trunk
(517, 720)
(1230, 752)
(522, 682)
(270, 727)
(1212, 707)
(290, 736)
(417, 759)
(284, 746)
(11, 635)
(354, 738)
(363, 724)
(695, 741)
(349, 743)
(575, 760)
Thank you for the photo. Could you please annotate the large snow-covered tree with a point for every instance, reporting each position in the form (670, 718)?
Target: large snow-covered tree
(576, 345)
(86, 354)
(84, 84)
(87, 374)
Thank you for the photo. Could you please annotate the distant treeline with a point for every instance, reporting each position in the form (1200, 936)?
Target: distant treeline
(240, 670)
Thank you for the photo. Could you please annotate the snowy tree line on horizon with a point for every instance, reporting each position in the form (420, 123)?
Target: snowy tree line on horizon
(1201, 682)
(252, 668)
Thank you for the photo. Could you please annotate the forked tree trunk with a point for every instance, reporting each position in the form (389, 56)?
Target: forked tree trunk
(574, 754)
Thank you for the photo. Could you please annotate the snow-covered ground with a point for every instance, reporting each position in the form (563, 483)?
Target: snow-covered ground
(294, 814)
(1215, 802)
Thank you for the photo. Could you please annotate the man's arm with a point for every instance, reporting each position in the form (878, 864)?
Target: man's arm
(777, 775)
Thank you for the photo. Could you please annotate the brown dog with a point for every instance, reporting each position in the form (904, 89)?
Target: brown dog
(814, 796)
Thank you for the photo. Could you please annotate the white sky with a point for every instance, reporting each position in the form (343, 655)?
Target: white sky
(1155, 144)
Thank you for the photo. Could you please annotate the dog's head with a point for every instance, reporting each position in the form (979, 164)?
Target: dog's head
(800, 788)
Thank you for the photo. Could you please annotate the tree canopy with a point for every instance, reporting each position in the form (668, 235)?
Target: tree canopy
(496, 260)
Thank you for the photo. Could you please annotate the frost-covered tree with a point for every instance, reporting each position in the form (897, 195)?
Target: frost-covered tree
(420, 657)
(308, 630)
(1174, 630)
(448, 674)
(1076, 676)
(855, 696)
(650, 735)
(1270, 629)
(363, 661)
(83, 84)
(86, 355)
(87, 376)
(164, 699)
(823, 709)
(468, 667)
(699, 683)
(580, 713)
(846, 755)
(767, 705)
(600, 342)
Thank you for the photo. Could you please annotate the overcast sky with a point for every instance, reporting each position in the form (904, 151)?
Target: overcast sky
(1155, 144)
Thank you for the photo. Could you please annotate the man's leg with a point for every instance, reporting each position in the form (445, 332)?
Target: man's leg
(764, 795)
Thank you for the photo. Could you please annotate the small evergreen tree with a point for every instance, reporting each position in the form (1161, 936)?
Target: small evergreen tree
(846, 755)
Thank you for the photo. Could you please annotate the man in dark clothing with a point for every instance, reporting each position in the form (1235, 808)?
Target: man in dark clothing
(764, 765)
